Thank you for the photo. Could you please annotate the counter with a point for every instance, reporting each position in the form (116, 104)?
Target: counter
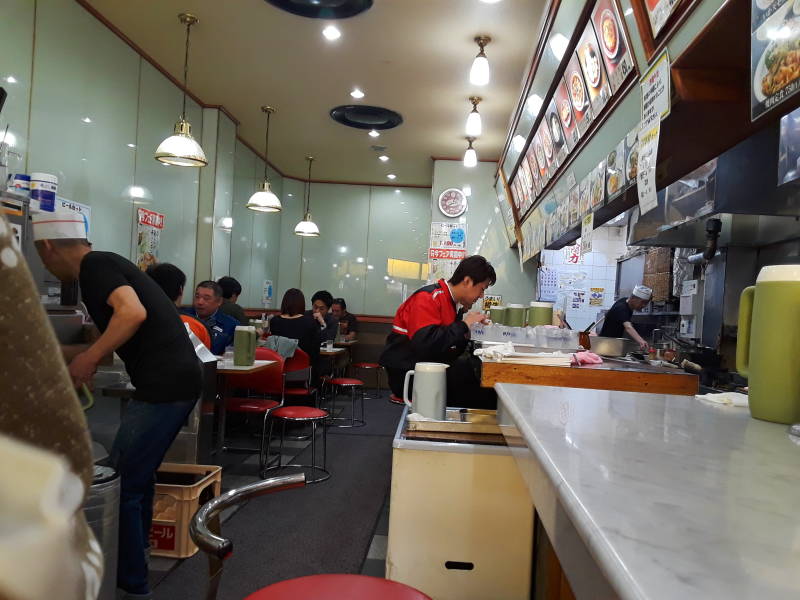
(650, 496)
(613, 374)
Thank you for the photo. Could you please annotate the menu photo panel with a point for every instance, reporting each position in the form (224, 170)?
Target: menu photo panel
(548, 147)
(613, 42)
(578, 95)
(566, 116)
(556, 132)
(774, 54)
(594, 73)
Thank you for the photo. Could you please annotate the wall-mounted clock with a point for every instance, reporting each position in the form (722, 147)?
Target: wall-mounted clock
(452, 202)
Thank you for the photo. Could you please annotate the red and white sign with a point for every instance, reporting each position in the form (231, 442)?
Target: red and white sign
(447, 253)
(162, 537)
(153, 219)
(149, 225)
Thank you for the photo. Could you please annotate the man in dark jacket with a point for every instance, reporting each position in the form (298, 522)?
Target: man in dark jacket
(430, 327)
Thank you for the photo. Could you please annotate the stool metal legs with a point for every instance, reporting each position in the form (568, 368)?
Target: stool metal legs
(356, 394)
(322, 471)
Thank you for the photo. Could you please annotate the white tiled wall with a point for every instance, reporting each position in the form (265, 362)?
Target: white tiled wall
(600, 267)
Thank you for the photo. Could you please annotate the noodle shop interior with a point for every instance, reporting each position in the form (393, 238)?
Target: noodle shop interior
(356, 299)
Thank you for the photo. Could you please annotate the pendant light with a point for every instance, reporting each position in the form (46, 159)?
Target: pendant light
(307, 227)
(473, 127)
(264, 199)
(470, 156)
(181, 149)
(479, 73)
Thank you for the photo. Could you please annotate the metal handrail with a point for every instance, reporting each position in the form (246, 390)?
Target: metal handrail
(204, 527)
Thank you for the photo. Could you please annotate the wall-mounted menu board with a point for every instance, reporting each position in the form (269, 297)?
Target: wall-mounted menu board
(658, 20)
(587, 81)
(774, 54)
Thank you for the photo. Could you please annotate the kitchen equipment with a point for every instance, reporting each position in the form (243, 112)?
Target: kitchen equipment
(498, 314)
(429, 396)
(769, 343)
(608, 346)
(540, 313)
(515, 315)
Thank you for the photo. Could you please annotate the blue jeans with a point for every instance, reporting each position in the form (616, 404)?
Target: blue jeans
(145, 434)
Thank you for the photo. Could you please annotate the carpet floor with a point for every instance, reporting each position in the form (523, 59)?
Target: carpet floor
(323, 528)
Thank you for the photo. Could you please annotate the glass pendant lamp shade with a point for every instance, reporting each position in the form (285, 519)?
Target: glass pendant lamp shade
(473, 127)
(264, 199)
(307, 227)
(181, 149)
(479, 73)
(470, 156)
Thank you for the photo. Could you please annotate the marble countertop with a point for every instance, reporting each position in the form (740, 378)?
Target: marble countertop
(673, 497)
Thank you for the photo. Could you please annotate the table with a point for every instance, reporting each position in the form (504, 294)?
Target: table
(656, 497)
(223, 393)
(613, 374)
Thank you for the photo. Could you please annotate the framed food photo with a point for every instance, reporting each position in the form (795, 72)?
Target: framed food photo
(774, 57)
(594, 73)
(574, 205)
(615, 170)
(530, 158)
(613, 41)
(597, 193)
(584, 202)
(538, 150)
(564, 109)
(578, 95)
(516, 195)
(547, 145)
(527, 183)
(556, 132)
(659, 20)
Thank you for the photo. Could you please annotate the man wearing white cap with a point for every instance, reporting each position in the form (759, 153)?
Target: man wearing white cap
(140, 324)
(618, 318)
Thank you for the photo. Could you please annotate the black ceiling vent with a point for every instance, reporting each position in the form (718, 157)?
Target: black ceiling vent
(362, 116)
(323, 9)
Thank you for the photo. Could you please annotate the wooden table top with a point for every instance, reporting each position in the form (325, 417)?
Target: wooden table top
(611, 375)
(228, 368)
(346, 344)
(334, 352)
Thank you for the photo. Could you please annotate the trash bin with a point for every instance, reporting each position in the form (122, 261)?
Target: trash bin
(102, 513)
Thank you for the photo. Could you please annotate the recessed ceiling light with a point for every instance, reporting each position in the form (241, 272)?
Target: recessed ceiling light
(131, 145)
(331, 32)
(11, 79)
(534, 104)
(629, 12)
(290, 195)
(558, 44)
(357, 94)
(518, 142)
(391, 176)
(86, 120)
(374, 133)
(467, 189)
(383, 158)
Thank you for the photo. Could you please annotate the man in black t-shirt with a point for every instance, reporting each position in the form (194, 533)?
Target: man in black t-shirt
(348, 324)
(140, 324)
(618, 318)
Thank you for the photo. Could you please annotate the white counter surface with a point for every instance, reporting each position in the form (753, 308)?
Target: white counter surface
(673, 497)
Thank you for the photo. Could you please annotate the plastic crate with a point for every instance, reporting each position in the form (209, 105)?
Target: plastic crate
(180, 491)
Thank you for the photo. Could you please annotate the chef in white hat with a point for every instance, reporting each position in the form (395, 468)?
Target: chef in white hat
(140, 324)
(618, 318)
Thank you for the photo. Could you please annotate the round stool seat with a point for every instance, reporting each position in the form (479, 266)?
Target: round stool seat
(396, 399)
(366, 365)
(346, 381)
(299, 412)
(336, 587)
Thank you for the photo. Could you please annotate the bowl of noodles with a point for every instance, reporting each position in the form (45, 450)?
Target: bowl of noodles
(779, 64)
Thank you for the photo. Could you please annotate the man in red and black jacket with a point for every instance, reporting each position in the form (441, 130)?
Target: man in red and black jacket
(430, 327)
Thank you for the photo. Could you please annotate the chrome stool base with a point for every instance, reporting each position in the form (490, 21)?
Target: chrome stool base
(301, 414)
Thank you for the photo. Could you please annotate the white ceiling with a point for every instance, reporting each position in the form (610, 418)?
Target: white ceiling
(412, 56)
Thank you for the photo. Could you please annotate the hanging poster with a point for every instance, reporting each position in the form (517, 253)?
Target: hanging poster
(548, 284)
(148, 235)
(658, 11)
(774, 54)
(449, 236)
(441, 268)
(594, 73)
(655, 106)
(490, 300)
(572, 254)
(583, 193)
(587, 227)
(632, 155)
(553, 121)
(596, 296)
(646, 168)
(566, 116)
(530, 158)
(578, 95)
(613, 43)
(266, 294)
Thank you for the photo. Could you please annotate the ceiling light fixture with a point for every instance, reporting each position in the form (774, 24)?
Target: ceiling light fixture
(331, 33)
(383, 158)
(534, 104)
(391, 176)
(518, 142)
(181, 149)
(264, 199)
(373, 133)
(357, 94)
(11, 79)
(479, 73)
(473, 126)
(470, 156)
(307, 227)
(558, 44)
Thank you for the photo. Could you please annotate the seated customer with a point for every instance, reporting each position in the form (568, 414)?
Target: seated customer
(348, 324)
(172, 280)
(206, 308)
(292, 323)
(231, 290)
(320, 309)
(430, 327)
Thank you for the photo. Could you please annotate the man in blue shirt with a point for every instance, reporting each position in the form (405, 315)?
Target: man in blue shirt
(206, 308)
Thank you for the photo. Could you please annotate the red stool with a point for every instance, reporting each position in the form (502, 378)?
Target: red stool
(395, 399)
(336, 587)
(368, 366)
(301, 414)
(356, 387)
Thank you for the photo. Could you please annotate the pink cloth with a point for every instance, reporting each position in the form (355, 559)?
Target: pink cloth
(586, 358)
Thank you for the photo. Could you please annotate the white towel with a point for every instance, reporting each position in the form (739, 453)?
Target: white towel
(506, 353)
(726, 398)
